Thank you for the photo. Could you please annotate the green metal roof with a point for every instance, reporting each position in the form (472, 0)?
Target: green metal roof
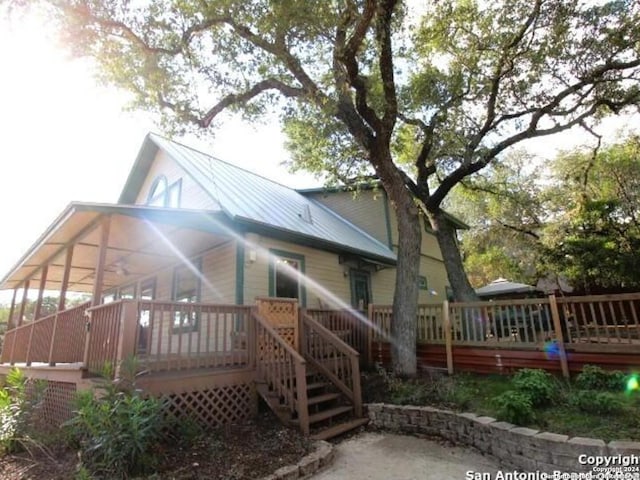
(259, 204)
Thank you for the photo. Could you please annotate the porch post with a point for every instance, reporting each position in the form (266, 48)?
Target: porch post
(10, 323)
(65, 279)
(43, 283)
(25, 292)
(105, 226)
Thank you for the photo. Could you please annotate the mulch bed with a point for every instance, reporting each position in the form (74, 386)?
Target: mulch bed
(250, 450)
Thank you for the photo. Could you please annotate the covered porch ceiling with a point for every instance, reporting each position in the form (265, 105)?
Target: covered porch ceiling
(141, 240)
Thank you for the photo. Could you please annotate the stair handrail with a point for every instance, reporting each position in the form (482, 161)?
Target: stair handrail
(295, 400)
(354, 393)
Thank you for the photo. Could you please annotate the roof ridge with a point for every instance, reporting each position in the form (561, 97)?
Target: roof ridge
(233, 165)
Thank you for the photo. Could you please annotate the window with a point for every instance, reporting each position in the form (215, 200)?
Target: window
(186, 289)
(422, 282)
(110, 296)
(128, 292)
(285, 272)
(158, 192)
(174, 193)
(147, 292)
(162, 194)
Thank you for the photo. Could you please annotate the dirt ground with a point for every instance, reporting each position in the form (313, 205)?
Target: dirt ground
(250, 450)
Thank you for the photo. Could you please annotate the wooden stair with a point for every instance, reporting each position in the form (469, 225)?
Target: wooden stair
(314, 386)
(330, 413)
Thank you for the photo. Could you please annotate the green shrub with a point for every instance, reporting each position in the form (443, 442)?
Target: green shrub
(119, 432)
(19, 401)
(593, 377)
(537, 384)
(600, 403)
(514, 407)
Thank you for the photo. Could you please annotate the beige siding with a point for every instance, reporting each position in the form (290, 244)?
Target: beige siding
(217, 286)
(192, 196)
(326, 284)
(366, 210)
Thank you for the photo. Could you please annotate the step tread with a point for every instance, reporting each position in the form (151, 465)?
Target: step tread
(322, 398)
(339, 429)
(314, 385)
(326, 414)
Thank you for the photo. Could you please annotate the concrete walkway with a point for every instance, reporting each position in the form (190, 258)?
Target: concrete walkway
(384, 456)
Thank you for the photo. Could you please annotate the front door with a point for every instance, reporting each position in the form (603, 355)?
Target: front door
(360, 289)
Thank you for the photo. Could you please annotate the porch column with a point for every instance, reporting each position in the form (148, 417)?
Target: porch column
(105, 226)
(65, 279)
(25, 292)
(10, 323)
(43, 283)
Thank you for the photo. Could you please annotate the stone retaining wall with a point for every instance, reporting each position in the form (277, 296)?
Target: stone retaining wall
(321, 456)
(517, 448)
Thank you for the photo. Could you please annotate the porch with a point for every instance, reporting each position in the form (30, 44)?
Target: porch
(208, 361)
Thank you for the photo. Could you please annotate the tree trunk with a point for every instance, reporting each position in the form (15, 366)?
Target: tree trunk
(448, 243)
(472, 326)
(405, 299)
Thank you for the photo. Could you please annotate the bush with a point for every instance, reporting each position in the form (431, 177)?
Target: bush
(118, 433)
(537, 384)
(600, 403)
(19, 401)
(593, 377)
(514, 407)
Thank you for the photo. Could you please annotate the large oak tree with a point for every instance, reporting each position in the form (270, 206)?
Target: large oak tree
(447, 94)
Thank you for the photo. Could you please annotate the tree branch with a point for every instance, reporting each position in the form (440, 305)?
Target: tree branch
(244, 97)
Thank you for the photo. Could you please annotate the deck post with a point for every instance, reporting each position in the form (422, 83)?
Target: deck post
(302, 406)
(252, 343)
(65, 279)
(299, 330)
(127, 340)
(105, 225)
(369, 353)
(10, 323)
(446, 324)
(562, 354)
(53, 341)
(27, 359)
(25, 292)
(43, 283)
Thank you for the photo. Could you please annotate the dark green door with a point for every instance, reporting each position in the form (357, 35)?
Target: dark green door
(360, 289)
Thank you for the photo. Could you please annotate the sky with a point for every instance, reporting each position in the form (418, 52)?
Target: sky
(65, 138)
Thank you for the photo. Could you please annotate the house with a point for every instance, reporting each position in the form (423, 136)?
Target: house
(198, 271)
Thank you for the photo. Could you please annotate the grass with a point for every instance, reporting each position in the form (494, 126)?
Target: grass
(477, 393)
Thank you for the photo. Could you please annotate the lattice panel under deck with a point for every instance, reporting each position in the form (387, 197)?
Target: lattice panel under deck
(52, 403)
(213, 407)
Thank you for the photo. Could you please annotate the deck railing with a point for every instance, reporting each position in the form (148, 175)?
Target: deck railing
(283, 370)
(428, 322)
(177, 335)
(333, 358)
(351, 326)
(103, 336)
(59, 337)
(523, 322)
(604, 319)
